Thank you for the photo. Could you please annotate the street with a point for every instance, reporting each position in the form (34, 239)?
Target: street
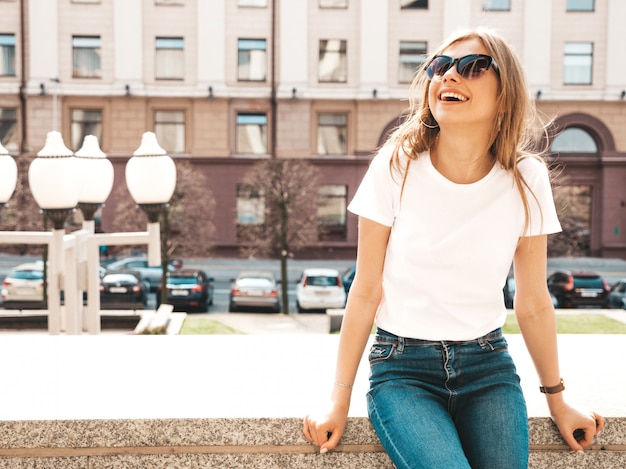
(223, 270)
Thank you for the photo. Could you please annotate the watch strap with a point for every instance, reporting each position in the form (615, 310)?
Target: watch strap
(553, 389)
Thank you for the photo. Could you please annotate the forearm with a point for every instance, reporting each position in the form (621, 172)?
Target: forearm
(355, 332)
(538, 327)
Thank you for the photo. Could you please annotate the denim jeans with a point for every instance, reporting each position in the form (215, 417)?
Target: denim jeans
(448, 405)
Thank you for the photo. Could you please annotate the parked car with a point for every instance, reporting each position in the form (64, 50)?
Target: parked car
(23, 286)
(254, 290)
(617, 295)
(348, 277)
(151, 274)
(188, 290)
(509, 292)
(123, 290)
(578, 289)
(320, 289)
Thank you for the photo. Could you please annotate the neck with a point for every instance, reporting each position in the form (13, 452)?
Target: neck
(462, 159)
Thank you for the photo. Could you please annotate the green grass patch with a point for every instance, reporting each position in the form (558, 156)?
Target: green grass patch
(575, 324)
(204, 325)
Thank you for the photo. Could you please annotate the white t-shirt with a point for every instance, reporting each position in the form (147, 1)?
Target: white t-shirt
(451, 245)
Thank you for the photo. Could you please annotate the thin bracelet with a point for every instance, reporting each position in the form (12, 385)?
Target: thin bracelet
(343, 385)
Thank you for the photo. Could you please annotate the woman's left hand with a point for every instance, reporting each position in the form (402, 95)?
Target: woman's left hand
(577, 428)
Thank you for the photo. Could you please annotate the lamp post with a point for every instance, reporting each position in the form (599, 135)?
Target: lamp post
(8, 173)
(60, 181)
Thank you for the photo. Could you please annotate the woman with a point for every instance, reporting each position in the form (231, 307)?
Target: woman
(452, 199)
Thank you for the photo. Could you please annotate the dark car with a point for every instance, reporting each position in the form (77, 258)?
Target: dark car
(578, 289)
(509, 292)
(150, 274)
(254, 290)
(617, 295)
(189, 290)
(348, 277)
(123, 290)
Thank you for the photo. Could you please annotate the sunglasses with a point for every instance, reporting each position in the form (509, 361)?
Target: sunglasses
(469, 67)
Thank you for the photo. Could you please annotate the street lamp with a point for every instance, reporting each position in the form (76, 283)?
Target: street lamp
(8, 175)
(60, 181)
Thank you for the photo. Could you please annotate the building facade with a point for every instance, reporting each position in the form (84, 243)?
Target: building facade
(224, 83)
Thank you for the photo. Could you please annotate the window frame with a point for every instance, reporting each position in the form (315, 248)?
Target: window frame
(328, 5)
(85, 125)
(342, 129)
(249, 205)
(341, 69)
(569, 8)
(162, 44)
(12, 144)
(251, 4)
(572, 55)
(8, 54)
(413, 4)
(251, 52)
(262, 125)
(328, 231)
(487, 7)
(161, 127)
(87, 50)
(420, 63)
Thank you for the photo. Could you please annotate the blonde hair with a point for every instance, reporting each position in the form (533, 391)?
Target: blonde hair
(516, 130)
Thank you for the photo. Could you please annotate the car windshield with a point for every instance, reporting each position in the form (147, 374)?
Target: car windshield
(255, 282)
(182, 280)
(588, 282)
(323, 281)
(27, 274)
(113, 278)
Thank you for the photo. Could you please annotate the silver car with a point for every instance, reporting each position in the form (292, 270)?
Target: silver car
(256, 290)
(23, 286)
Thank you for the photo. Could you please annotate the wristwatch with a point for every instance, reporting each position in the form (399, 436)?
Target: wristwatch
(553, 389)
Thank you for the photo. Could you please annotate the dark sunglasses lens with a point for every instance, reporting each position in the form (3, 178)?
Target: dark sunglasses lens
(473, 67)
(438, 66)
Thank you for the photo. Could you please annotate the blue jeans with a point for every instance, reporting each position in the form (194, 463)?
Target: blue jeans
(449, 405)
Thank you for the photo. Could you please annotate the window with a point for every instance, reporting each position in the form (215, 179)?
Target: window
(250, 205)
(8, 129)
(86, 57)
(333, 3)
(417, 4)
(580, 5)
(332, 131)
(252, 134)
(252, 62)
(577, 63)
(169, 2)
(412, 57)
(497, 5)
(170, 63)
(86, 1)
(332, 62)
(169, 127)
(85, 122)
(331, 212)
(252, 3)
(574, 140)
(7, 55)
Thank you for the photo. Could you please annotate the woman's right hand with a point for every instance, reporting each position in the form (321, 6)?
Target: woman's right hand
(324, 429)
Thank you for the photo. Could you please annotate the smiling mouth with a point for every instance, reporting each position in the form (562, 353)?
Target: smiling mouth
(452, 97)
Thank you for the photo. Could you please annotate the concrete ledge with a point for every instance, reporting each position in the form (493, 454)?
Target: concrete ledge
(238, 443)
(154, 401)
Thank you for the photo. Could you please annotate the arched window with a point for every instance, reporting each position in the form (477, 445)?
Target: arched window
(574, 140)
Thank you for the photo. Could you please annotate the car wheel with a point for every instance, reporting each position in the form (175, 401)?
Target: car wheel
(231, 308)
(299, 308)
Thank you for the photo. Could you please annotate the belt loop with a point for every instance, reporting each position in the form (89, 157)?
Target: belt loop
(400, 344)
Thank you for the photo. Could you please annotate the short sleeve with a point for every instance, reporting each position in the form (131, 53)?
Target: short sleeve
(543, 215)
(377, 195)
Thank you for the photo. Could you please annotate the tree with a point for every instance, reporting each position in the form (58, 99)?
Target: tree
(573, 203)
(289, 188)
(22, 212)
(187, 228)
